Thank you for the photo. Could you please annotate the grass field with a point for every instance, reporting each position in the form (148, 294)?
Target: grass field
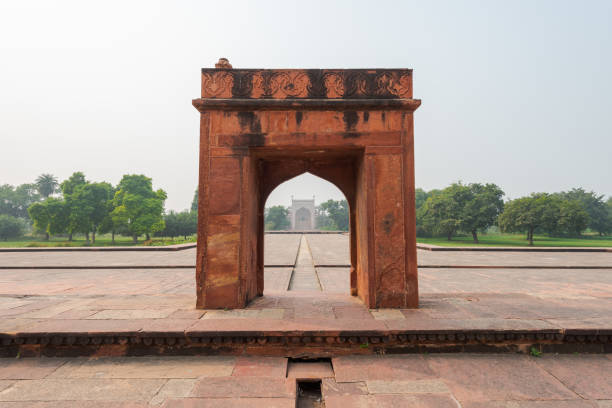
(519, 240)
(101, 240)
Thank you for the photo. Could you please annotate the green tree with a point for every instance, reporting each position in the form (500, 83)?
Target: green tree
(50, 217)
(40, 218)
(338, 213)
(89, 205)
(187, 223)
(108, 225)
(573, 218)
(171, 228)
(179, 223)
(46, 184)
(420, 196)
(194, 202)
(595, 206)
(77, 217)
(481, 208)
(10, 227)
(276, 218)
(138, 208)
(15, 201)
(443, 211)
(526, 214)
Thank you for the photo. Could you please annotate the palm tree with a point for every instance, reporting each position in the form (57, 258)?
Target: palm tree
(46, 184)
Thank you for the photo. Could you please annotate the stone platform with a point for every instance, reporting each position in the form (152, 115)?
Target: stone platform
(306, 309)
(425, 381)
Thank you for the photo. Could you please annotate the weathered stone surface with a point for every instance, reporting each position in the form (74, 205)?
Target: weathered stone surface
(174, 388)
(28, 368)
(391, 401)
(401, 386)
(245, 387)
(147, 367)
(82, 389)
(259, 128)
(260, 367)
(587, 375)
(497, 377)
(231, 403)
(362, 368)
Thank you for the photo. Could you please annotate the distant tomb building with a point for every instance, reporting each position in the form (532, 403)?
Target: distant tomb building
(302, 214)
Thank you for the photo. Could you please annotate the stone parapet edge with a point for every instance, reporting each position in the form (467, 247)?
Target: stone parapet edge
(306, 343)
(428, 247)
(178, 247)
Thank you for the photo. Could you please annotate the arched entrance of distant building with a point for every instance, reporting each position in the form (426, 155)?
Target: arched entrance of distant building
(259, 128)
(302, 215)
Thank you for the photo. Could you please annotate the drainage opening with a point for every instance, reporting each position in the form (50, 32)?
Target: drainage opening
(309, 394)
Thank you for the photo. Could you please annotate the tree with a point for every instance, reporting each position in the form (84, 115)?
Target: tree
(276, 218)
(40, 217)
(50, 216)
(420, 196)
(10, 227)
(481, 208)
(595, 206)
(46, 184)
(15, 201)
(338, 212)
(180, 223)
(528, 213)
(573, 218)
(89, 206)
(137, 207)
(194, 202)
(187, 223)
(443, 212)
(108, 224)
(77, 218)
(171, 228)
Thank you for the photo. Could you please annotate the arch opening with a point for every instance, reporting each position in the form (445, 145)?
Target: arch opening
(304, 249)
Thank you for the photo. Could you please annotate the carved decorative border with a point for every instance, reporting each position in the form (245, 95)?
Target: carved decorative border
(307, 84)
(342, 341)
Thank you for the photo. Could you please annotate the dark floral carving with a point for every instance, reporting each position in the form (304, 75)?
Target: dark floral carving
(307, 84)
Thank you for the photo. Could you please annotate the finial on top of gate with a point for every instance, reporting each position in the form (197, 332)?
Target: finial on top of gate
(223, 63)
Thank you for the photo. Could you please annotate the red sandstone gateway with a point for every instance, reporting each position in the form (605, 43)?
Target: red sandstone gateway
(261, 127)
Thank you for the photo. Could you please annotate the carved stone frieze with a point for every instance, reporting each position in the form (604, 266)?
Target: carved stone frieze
(307, 84)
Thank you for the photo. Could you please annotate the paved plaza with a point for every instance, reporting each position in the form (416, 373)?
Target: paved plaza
(427, 381)
(301, 295)
(281, 250)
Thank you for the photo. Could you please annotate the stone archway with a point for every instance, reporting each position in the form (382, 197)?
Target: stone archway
(353, 128)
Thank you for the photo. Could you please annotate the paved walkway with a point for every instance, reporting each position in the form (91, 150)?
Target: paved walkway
(426, 381)
(281, 250)
(33, 299)
(304, 276)
(159, 300)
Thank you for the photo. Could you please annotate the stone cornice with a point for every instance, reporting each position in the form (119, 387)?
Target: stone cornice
(205, 104)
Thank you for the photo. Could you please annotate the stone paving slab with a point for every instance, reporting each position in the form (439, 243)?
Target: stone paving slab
(281, 249)
(435, 380)
(549, 259)
(329, 249)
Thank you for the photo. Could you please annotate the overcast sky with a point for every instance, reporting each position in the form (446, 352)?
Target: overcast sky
(514, 92)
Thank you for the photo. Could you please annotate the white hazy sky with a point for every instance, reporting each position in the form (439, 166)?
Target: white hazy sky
(514, 92)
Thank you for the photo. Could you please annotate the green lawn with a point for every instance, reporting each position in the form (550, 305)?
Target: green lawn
(519, 240)
(101, 240)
